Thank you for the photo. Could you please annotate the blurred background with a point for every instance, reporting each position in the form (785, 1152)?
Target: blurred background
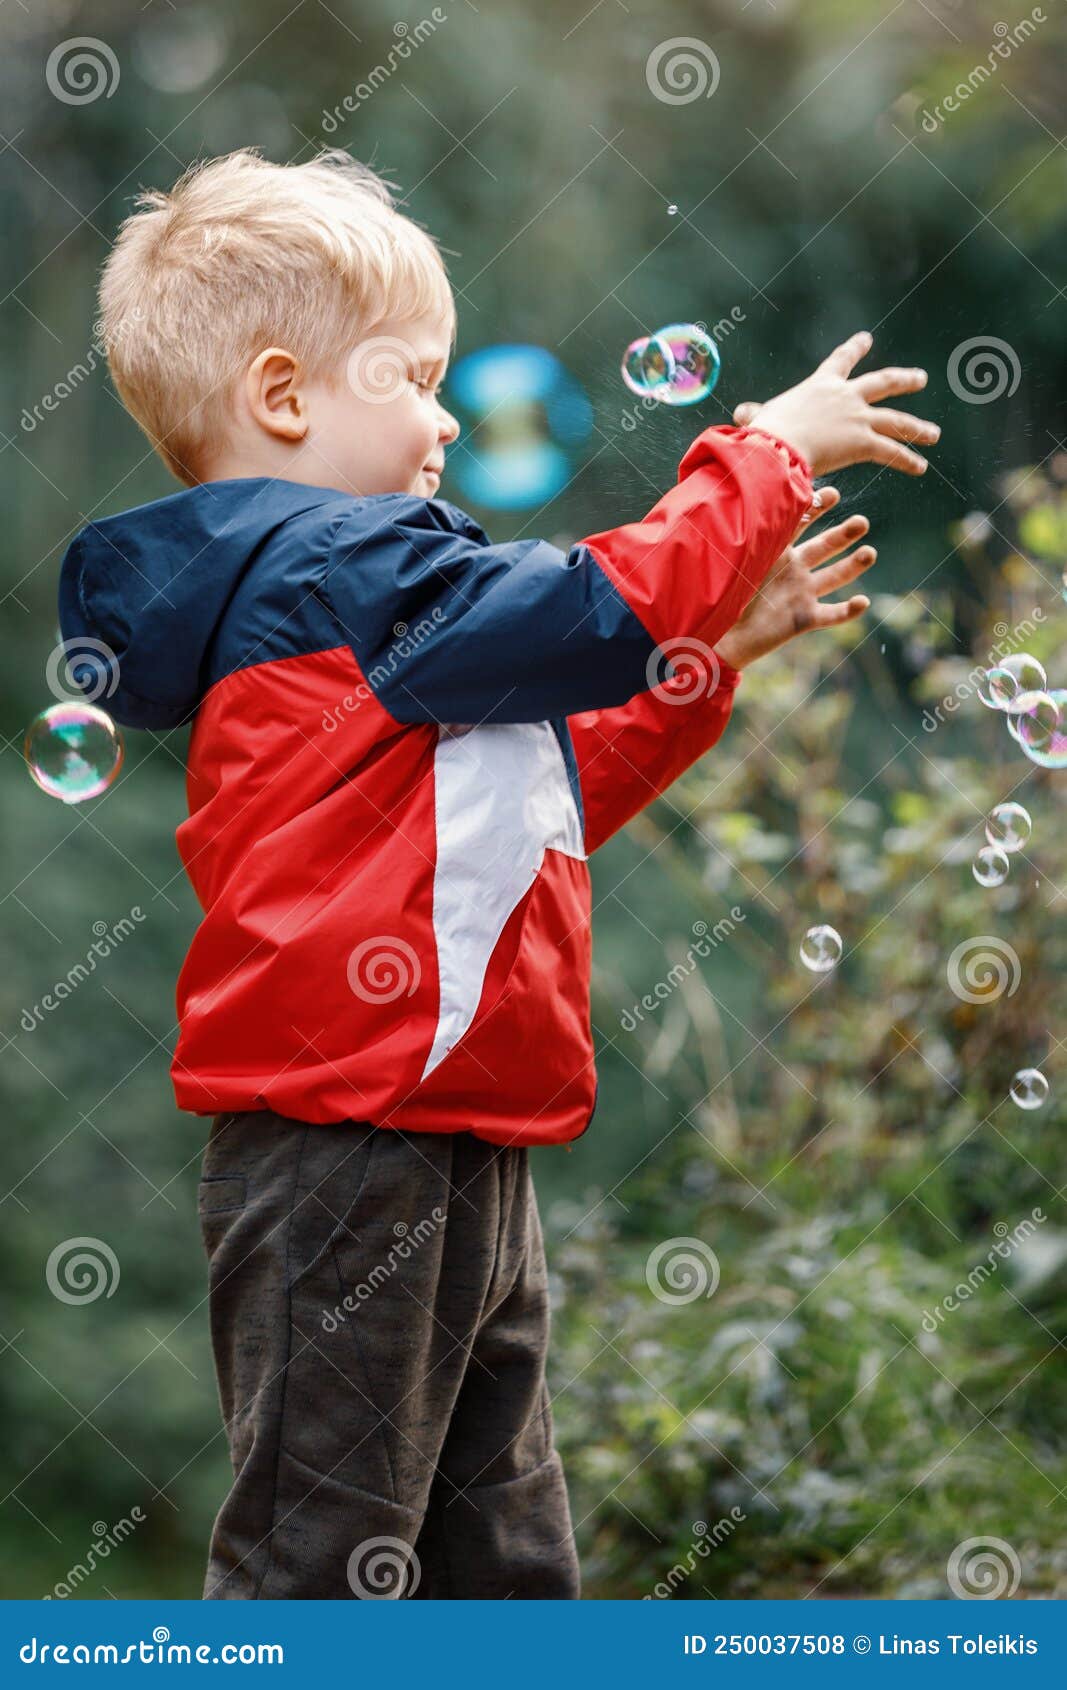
(809, 1262)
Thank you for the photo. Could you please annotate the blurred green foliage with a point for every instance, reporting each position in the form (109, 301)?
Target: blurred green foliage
(844, 1145)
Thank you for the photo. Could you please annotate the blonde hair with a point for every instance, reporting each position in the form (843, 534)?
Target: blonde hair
(242, 254)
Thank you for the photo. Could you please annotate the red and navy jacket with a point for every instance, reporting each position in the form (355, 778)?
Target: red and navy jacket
(405, 743)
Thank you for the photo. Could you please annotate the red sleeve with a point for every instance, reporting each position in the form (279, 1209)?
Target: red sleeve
(688, 571)
(692, 564)
(629, 755)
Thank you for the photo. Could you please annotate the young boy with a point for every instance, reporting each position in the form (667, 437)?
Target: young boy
(405, 743)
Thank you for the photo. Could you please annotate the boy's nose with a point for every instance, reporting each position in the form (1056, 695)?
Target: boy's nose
(449, 428)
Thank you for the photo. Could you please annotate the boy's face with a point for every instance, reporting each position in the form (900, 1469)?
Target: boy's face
(379, 427)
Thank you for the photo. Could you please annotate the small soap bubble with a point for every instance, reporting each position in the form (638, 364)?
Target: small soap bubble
(1047, 752)
(820, 949)
(1009, 827)
(73, 751)
(997, 688)
(1033, 718)
(647, 365)
(991, 866)
(1029, 1088)
(696, 364)
(672, 211)
(1026, 671)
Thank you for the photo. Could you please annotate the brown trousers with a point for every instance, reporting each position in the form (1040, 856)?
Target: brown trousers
(379, 1318)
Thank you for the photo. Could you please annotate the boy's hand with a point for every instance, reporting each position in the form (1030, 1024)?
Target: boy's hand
(833, 421)
(789, 601)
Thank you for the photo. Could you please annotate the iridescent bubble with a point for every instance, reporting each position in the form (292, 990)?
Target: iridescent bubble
(672, 211)
(1033, 718)
(73, 751)
(647, 365)
(997, 688)
(1051, 754)
(696, 364)
(991, 866)
(820, 949)
(1029, 1088)
(1026, 671)
(1009, 827)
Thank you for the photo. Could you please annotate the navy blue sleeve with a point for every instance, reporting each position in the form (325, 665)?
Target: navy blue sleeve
(449, 628)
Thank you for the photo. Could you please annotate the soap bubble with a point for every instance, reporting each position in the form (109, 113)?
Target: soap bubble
(820, 949)
(1009, 827)
(678, 365)
(991, 866)
(73, 751)
(1026, 671)
(1050, 753)
(1033, 718)
(696, 364)
(997, 688)
(647, 364)
(1029, 1088)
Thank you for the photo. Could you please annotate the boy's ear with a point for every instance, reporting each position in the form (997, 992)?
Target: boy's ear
(275, 396)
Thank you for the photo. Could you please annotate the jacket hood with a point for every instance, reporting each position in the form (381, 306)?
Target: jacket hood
(142, 594)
